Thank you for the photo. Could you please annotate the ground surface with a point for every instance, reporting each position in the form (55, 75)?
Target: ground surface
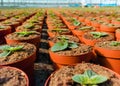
(43, 65)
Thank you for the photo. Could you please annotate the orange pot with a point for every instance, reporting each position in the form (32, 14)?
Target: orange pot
(94, 41)
(13, 68)
(50, 43)
(3, 32)
(81, 19)
(109, 58)
(27, 65)
(115, 22)
(35, 40)
(48, 79)
(88, 21)
(69, 60)
(106, 28)
(117, 34)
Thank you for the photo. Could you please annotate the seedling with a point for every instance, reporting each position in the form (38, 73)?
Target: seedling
(85, 28)
(89, 78)
(29, 26)
(26, 33)
(76, 22)
(99, 34)
(114, 43)
(59, 30)
(2, 27)
(63, 44)
(118, 19)
(33, 21)
(7, 50)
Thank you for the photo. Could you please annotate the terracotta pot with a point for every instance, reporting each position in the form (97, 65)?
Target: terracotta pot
(106, 28)
(116, 22)
(3, 32)
(117, 34)
(48, 79)
(81, 19)
(12, 24)
(37, 28)
(35, 40)
(88, 21)
(94, 41)
(61, 61)
(26, 64)
(109, 58)
(13, 68)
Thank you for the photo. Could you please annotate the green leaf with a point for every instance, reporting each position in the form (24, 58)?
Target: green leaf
(29, 26)
(85, 28)
(81, 79)
(4, 47)
(17, 48)
(26, 33)
(72, 45)
(7, 50)
(89, 73)
(99, 34)
(97, 79)
(114, 43)
(2, 27)
(59, 46)
(76, 23)
(89, 78)
(4, 54)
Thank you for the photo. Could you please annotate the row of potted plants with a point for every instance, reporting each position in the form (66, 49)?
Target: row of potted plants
(66, 52)
(22, 47)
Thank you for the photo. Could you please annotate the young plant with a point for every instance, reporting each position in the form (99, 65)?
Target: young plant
(114, 43)
(99, 34)
(76, 22)
(2, 27)
(85, 28)
(89, 78)
(29, 26)
(59, 30)
(7, 50)
(26, 33)
(63, 44)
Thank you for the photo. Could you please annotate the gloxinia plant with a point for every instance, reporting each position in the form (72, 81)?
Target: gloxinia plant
(63, 44)
(89, 78)
(7, 50)
(99, 34)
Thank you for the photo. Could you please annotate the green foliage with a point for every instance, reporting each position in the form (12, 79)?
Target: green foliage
(26, 33)
(114, 43)
(99, 34)
(29, 26)
(76, 22)
(59, 46)
(59, 30)
(7, 50)
(63, 44)
(2, 27)
(89, 78)
(85, 28)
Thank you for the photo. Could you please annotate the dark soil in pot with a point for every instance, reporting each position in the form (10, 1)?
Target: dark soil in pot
(27, 50)
(69, 37)
(25, 27)
(104, 38)
(15, 36)
(10, 76)
(81, 49)
(63, 77)
(108, 45)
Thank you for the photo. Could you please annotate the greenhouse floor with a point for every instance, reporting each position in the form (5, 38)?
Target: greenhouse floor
(43, 66)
